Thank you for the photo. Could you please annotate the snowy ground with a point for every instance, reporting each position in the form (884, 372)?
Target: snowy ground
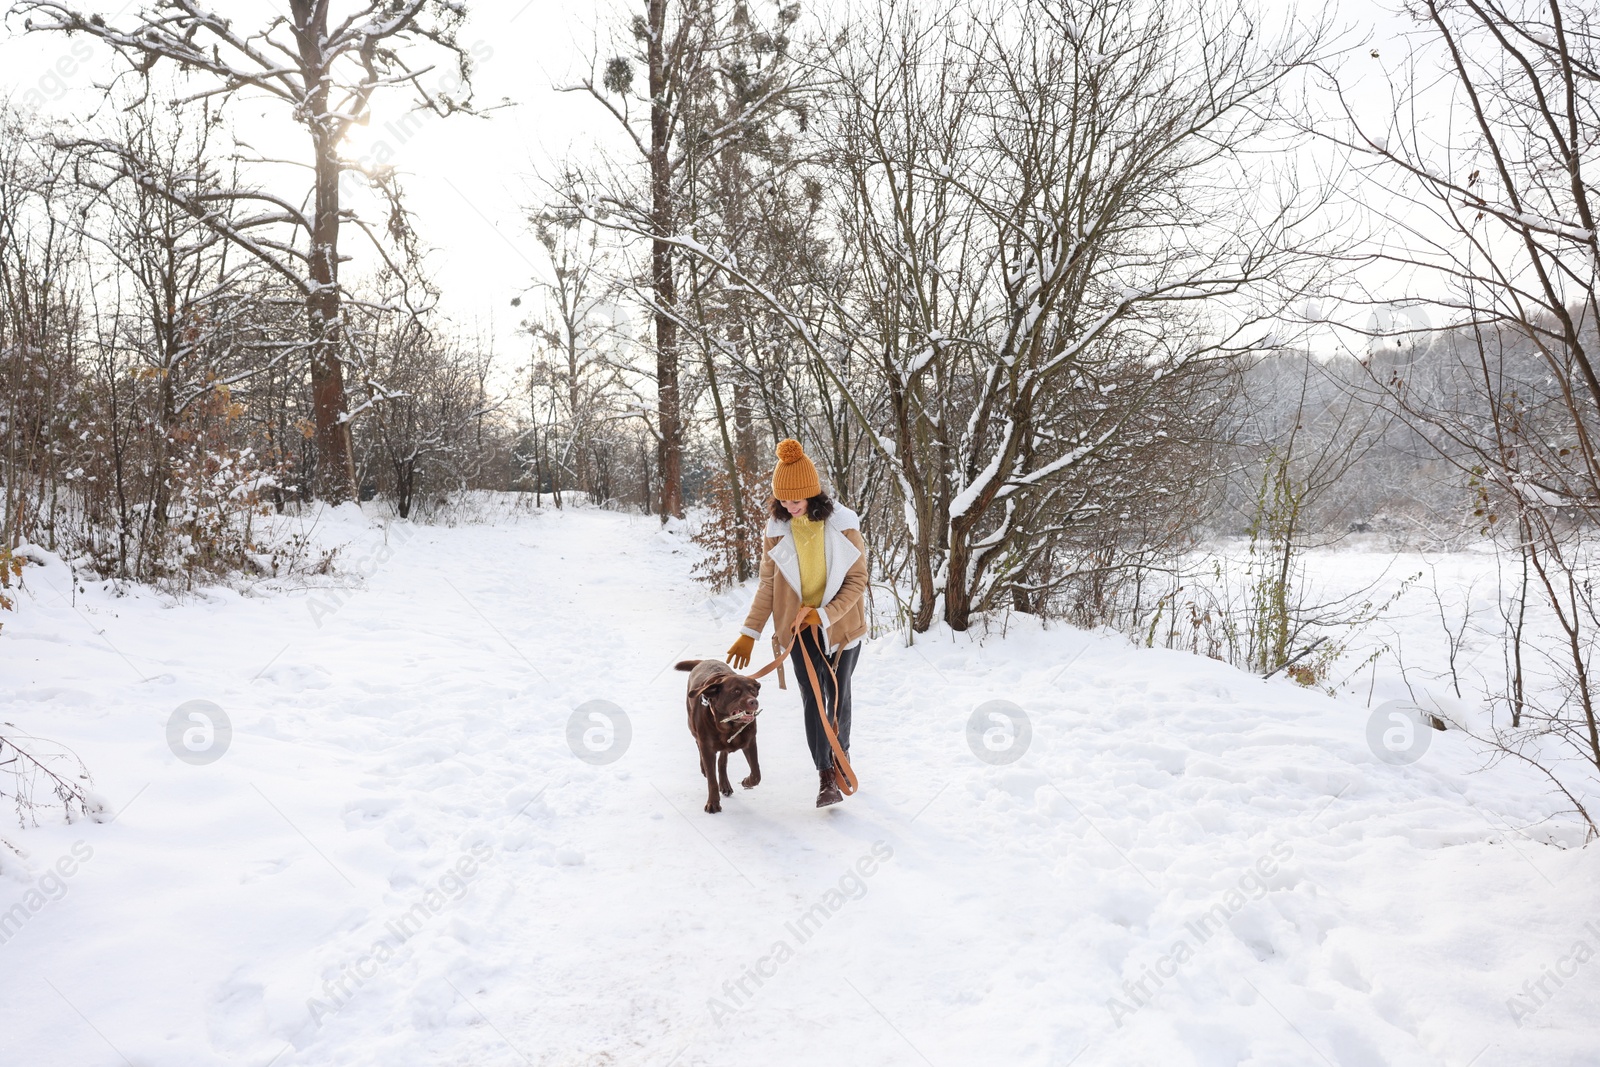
(400, 860)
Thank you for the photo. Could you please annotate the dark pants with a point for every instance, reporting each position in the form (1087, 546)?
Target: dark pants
(808, 645)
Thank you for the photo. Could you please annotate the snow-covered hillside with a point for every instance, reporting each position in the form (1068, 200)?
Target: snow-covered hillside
(401, 859)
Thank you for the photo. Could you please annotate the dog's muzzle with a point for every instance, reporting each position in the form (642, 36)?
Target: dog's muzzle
(743, 718)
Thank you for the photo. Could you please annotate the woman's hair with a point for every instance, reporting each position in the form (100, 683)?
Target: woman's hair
(818, 508)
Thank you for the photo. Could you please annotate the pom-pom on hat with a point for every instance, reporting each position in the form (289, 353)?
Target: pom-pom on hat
(795, 477)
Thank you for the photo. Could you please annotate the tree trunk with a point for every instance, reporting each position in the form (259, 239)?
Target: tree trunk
(404, 482)
(669, 447)
(957, 591)
(743, 568)
(335, 470)
(744, 427)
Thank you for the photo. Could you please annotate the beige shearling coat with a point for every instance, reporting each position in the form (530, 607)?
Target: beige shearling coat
(843, 611)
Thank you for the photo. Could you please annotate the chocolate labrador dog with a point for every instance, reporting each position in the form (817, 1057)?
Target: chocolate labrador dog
(723, 706)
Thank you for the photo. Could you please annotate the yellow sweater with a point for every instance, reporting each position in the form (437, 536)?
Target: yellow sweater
(808, 542)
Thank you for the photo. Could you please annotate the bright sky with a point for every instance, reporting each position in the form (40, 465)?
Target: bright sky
(470, 181)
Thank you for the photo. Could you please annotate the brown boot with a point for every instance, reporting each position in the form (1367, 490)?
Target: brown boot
(829, 793)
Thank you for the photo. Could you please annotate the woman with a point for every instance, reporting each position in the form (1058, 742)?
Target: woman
(814, 544)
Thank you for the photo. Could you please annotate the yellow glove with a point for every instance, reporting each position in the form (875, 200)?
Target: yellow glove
(739, 654)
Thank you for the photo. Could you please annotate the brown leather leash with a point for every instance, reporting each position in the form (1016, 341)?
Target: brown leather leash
(846, 777)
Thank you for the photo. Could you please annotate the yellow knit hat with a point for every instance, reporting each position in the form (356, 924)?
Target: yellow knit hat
(795, 477)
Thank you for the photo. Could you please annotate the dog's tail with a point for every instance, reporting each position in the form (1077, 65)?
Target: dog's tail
(688, 664)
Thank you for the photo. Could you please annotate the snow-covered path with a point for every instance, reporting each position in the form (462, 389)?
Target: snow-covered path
(400, 860)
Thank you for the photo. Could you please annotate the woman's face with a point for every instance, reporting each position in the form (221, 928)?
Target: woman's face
(795, 508)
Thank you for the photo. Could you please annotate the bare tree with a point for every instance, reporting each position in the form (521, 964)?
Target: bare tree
(1496, 211)
(574, 377)
(686, 48)
(43, 330)
(428, 397)
(171, 340)
(324, 72)
(1047, 249)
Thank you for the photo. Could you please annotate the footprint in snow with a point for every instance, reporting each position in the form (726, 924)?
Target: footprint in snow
(296, 678)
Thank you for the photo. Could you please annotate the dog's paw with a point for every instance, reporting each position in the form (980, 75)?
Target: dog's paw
(752, 781)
